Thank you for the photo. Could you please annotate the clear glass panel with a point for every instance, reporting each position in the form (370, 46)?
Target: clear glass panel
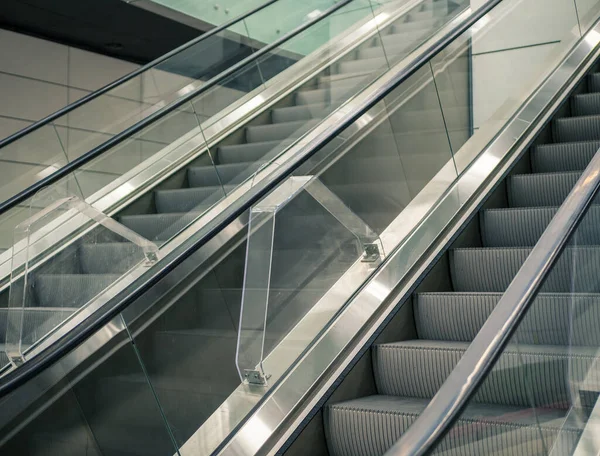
(282, 17)
(307, 244)
(488, 72)
(27, 161)
(541, 396)
(187, 129)
(343, 76)
(185, 330)
(90, 125)
(229, 93)
(406, 33)
(47, 287)
(107, 407)
(136, 154)
(587, 12)
(309, 241)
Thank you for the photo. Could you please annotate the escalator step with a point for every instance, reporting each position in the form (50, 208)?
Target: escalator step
(409, 25)
(297, 113)
(244, 153)
(585, 104)
(109, 257)
(548, 189)
(492, 269)
(196, 199)
(418, 368)
(232, 174)
(158, 227)
(571, 156)
(583, 128)
(69, 290)
(553, 319)
(278, 132)
(594, 82)
(351, 67)
(522, 227)
(370, 425)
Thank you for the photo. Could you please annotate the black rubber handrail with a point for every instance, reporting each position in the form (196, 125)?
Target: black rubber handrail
(157, 115)
(122, 300)
(128, 77)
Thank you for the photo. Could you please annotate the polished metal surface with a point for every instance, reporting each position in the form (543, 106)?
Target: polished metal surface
(295, 395)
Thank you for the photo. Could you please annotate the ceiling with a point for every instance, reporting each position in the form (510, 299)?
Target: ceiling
(110, 27)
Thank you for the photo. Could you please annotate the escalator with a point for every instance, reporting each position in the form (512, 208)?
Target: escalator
(112, 410)
(177, 364)
(206, 177)
(476, 272)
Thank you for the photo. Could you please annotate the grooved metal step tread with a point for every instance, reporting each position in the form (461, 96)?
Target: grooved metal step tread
(109, 257)
(542, 189)
(418, 368)
(594, 82)
(492, 269)
(69, 290)
(553, 318)
(582, 128)
(522, 227)
(585, 104)
(561, 157)
(278, 132)
(298, 113)
(485, 428)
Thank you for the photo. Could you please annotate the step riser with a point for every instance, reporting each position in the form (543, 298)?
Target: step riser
(576, 129)
(523, 228)
(382, 430)
(563, 157)
(551, 320)
(420, 372)
(478, 270)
